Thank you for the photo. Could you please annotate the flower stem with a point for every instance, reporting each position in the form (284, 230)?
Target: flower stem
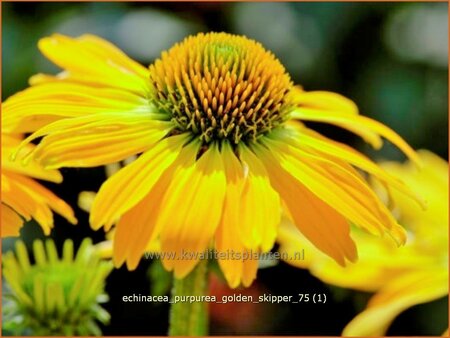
(190, 318)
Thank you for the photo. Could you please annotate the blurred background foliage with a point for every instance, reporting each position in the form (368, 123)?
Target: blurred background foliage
(390, 58)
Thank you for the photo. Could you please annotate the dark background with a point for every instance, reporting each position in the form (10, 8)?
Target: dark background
(390, 58)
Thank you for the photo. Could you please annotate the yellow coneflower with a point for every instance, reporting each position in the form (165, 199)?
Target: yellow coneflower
(55, 295)
(22, 197)
(401, 277)
(217, 121)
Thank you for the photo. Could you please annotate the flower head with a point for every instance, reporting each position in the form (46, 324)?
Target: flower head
(221, 87)
(223, 149)
(22, 197)
(401, 277)
(55, 296)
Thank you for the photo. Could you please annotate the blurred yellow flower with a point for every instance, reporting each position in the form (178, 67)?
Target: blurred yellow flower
(217, 122)
(22, 197)
(401, 277)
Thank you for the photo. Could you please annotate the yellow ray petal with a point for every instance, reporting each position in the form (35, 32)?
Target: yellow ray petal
(258, 229)
(107, 51)
(225, 238)
(98, 143)
(304, 137)
(97, 61)
(249, 271)
(192, 208)
(340, 188)
(108, 121)
(227, 243)
(32, 169)
(97, 148)
(37, 106)
(11, 222)
(14, 195)
(30, 199)
(359, 125)
(53, 201)
(317, 221)
(324, 100)
(137, 227)
(409, 290)
(72, 92)
(129, 185)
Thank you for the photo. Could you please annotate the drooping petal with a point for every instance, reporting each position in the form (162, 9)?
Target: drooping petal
(14, 195)
(323, 100)
(31, 200)
(94, 140)
(37, 106)
(344, 191)
(47, 197)
(192, 208)
(363, 126)
(317, 221)
(132, 183)
(306, 138)
(31, 169)
(248, 189)
(11, 222)
(260, 205)
(227, 243)
(411, 289)
(97, 61)
(249, 271)
(137, 227)
(225, 237)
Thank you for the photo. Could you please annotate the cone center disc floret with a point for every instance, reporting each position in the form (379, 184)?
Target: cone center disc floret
(219, 86)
